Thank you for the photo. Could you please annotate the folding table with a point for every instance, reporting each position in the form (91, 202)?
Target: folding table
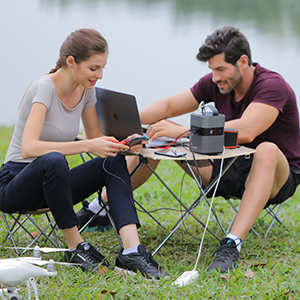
(147, 154)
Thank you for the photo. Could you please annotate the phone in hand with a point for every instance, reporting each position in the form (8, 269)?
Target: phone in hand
(134, 141)
(171, 153)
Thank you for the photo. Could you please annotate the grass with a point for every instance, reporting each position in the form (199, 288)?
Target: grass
(268, 266)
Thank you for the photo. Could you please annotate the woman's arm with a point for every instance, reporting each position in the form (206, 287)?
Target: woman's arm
(90, 123)
(33, 147)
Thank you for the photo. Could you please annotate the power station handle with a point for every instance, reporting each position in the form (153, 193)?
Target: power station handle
(212, 108)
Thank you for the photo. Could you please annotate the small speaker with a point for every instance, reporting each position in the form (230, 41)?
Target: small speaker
(231, 138)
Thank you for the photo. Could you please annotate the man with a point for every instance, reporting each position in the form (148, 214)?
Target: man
(258, 103)
(262, 107)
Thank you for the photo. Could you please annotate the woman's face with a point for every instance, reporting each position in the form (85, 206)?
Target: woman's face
(89, 71)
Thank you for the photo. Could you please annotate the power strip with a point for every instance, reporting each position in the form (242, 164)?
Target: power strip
(186, 278)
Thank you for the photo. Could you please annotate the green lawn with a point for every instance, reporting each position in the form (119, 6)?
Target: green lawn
(268, 267)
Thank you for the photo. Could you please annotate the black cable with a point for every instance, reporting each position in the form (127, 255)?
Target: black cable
(193, 153)
(192, 132)
(129, 193)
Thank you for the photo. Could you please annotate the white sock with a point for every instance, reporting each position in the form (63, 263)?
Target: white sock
(238, 240)
(94, 206)
(132, 249)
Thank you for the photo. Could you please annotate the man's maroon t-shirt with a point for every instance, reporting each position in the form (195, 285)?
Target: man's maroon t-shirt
(270, 88)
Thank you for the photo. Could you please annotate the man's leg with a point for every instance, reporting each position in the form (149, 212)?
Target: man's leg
(269, 172)
(143, 174)
(205, 169)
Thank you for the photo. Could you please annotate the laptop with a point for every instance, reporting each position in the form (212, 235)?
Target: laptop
(117, 113)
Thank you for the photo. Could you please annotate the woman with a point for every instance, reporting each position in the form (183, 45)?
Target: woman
(35, 173)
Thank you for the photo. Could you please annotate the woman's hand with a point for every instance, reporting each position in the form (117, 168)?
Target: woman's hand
(106, 146)
(136, 148)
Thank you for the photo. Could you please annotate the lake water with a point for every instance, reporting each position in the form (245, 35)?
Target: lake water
(152, 44)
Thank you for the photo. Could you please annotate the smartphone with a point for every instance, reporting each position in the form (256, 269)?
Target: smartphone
(134, 141)
(171, 153)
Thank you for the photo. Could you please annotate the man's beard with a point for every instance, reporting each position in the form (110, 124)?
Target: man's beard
(232, 82)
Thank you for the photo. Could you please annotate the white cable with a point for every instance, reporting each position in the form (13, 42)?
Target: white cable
(210, 208)
(189, 276)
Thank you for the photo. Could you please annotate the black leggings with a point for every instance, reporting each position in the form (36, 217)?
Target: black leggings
(48, 182)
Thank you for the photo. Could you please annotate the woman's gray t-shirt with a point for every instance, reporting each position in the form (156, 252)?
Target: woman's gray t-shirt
(61, 123)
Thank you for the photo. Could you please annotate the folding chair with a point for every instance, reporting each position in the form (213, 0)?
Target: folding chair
(272, 211)
(30, 227)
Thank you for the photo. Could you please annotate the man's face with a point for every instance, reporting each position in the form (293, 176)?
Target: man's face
(225, 75)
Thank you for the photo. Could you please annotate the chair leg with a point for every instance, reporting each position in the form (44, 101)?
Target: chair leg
(19, 222)
(10, 234)
(274, 217)
(269, 211)
(42, 232)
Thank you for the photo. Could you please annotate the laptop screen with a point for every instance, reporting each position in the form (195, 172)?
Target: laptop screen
(117, 113)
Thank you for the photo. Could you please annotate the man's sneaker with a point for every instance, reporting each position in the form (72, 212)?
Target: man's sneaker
(100, 223)
(88, 258)
(141, 261)
(226, 256)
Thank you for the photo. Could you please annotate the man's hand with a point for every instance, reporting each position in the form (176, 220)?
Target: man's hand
(165, 128)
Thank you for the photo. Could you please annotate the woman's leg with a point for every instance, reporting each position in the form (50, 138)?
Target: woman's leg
(129, 236)
(72, 236)
(112, 172)
(43, 183)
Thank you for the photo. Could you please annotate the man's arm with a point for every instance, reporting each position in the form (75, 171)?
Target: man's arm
(169, 107)
(158, 111)
(256, 119)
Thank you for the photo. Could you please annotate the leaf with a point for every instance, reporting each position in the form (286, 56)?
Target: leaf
(102, 270)
(249, 274)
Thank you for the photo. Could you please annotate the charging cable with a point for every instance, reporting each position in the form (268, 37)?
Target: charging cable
(189, 276)
(131, 199)
(176, 139)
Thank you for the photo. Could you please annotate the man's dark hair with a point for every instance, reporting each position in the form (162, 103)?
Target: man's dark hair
(228, 40)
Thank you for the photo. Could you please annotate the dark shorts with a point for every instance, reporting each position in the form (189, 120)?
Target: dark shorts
(232, 183)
